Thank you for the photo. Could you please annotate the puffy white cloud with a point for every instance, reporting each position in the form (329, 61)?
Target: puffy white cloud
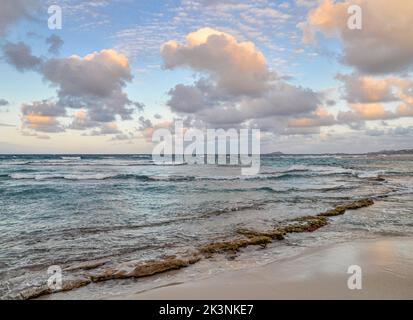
(237, 87)
(372, 111)
(99, 74)
(362, 89)
(368, 96)
(383, 45)
(405, 110)
(95, 83)
(224, 58)
(281, 99)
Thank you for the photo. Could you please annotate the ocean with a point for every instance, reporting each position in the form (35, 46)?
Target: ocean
(92, 214)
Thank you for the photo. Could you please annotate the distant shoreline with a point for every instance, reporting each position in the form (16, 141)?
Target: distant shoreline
(384, 152)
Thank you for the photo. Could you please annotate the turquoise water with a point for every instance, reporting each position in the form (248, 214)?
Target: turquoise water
(66, 210)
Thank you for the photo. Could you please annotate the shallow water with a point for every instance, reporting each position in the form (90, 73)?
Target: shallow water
(67, 210)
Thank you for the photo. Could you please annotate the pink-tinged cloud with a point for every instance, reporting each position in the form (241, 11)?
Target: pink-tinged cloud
(364, 89)
(320, 118)
(372, 111)
(383, 45)
(236, 88)
(237, 67)
(368, 95)
(42, 116)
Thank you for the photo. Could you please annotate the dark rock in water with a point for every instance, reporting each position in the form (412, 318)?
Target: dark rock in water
(154, 267)
(88, 265)
(75, 283)
(145, 269)
(273, 234)
(298, 225)
(340, 210)
(67, 285)
(235, 245)
(306, 224)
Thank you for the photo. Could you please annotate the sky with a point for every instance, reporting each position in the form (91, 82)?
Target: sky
(117, 70)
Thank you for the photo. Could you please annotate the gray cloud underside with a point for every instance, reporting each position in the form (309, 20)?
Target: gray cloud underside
(12, 11)
(20, 56)
(55, 43)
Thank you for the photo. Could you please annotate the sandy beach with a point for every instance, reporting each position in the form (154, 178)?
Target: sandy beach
(387, 273)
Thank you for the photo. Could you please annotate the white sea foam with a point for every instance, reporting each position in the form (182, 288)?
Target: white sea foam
(98, 176)
(13, 163)
(71, 158)
(322, 170)
(26, 176)
(371, 174)
(80, 162)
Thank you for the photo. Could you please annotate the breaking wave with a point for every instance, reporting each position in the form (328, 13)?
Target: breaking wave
(275, 175)
(97, 176)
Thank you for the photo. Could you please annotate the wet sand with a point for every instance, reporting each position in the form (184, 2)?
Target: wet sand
(386, 264)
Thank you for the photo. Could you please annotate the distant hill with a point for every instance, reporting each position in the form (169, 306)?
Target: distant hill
(383, 152)
(277, 153)
(390, 152)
